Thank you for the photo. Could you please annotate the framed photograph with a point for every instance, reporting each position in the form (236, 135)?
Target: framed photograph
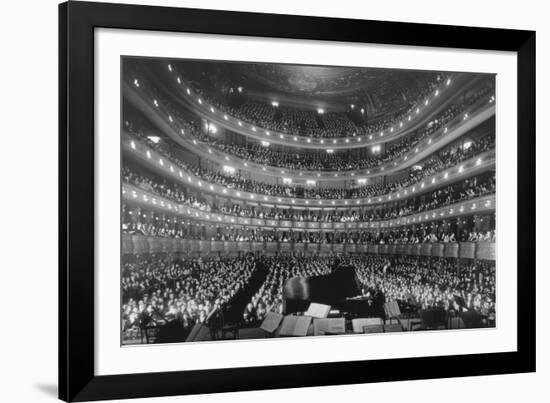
(257, 201)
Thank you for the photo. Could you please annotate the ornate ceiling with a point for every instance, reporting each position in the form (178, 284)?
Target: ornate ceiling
(312, 80)
(329, 86)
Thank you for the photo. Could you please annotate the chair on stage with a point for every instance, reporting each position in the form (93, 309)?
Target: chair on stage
(393, 312)
(433, 319)
(221, 327)
(358, 324)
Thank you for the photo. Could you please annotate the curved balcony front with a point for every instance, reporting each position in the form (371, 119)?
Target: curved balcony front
(421, 113)
(138, 244)
(161, 164)
(135, 195)
(471, 117)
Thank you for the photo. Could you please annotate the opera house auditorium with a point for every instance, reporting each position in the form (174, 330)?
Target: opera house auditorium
(268, 200)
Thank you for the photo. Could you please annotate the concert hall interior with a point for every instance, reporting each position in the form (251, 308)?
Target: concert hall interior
(268, 200)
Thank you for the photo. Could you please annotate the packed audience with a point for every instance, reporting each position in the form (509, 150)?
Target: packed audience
(436, 233)
(164, 188)
(446, 158)
(417, 236)
(144, 222)
(435, 284)
(161, 288)
(156, 288)
(386, 109)
(338, 161)
(461, 191)
(323, 161)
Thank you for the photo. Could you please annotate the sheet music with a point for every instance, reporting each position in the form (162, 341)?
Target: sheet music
(295, 325)
(271, 322)
(302, 325)
(316, 310)
(332, 326)
(358, 324)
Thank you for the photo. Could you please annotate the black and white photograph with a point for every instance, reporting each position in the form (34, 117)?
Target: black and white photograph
(290, 201)
(269, 200)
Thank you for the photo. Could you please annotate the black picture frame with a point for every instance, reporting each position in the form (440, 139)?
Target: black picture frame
(77, 21)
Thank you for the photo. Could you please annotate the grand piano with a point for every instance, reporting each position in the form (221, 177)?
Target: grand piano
(340, 289)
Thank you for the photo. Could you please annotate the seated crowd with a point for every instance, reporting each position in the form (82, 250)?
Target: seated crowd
(418, 236)
(448, 157)
(457, 192)
(161, 288)
(287, 120)
(148, 223)
(323, 161)
(164, 188)
(338, 161)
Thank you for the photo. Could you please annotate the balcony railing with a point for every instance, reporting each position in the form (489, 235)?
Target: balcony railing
(470, 118)
(137, 244)
(134, 195)
(418, 114)
(160, 163)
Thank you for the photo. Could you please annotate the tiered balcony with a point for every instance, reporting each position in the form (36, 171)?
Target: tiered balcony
(138, 244)
(133, 195)
(139, 151)
(420, 114)
(471, 117)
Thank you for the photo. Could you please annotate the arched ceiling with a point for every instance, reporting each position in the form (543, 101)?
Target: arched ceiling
(311, 80)
(332, 87)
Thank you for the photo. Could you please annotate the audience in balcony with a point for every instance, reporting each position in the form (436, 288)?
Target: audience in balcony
(308, 122)
(339, 161)
(460, 191)
(446, 158)
(164, 188)
(144, 222)
(396, 107)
